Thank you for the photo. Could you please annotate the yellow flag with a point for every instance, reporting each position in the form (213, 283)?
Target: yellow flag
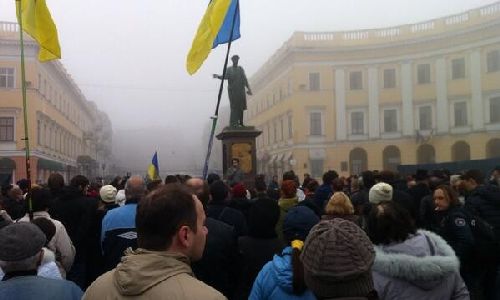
(206, 34)
(37, 22)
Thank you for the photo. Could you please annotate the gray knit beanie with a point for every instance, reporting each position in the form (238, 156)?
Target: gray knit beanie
(337, 258)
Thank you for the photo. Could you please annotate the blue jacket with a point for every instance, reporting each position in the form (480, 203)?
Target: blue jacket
(118, 233)
(40, 288)
(275, 280)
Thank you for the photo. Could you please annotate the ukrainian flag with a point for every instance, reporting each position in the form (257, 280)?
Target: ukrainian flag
(214, 29)
(153, 169)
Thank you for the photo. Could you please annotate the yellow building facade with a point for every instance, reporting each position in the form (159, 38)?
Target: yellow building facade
(67, 133)
(378, 98)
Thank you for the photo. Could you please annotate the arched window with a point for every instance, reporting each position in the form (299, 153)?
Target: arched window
(358, 160)
(426, 154)
(460, 151)
(391, 157)
(493, 148)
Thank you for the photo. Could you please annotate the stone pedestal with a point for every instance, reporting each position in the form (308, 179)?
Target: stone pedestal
(240, 143)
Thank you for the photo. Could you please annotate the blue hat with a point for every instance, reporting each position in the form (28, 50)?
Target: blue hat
(298, 222)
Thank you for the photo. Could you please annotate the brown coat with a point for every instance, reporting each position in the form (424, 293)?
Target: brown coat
(144, 274)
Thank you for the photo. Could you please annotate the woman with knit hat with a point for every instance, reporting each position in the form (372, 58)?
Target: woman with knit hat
(337, 258)
(283, 277)
(410, 263)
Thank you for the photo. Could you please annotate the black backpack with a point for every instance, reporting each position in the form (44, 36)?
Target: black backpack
(486, 245)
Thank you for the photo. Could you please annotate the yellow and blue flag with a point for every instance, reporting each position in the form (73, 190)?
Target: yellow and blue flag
(232, 18)
(153, 169)
(214, 29)
(38, 23)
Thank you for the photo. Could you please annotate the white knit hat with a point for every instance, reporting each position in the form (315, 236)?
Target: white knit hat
(380, 192)
(108, 194)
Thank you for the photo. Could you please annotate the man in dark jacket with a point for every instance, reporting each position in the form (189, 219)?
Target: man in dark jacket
(484, 202)
(419, 191)
(360, 200)
(76, 211)
(399, 197)
(324, 191)
(13, 201)
(218, 209)
(220, 265)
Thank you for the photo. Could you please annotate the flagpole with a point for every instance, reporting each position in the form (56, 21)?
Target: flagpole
(25, 110)
(219, 96)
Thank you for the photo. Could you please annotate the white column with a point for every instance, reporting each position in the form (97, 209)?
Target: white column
(407, 99)
(340, 110)
(477, 98)
(441, 97)
(373, 108)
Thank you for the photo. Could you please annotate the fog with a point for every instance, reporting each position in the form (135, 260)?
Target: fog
(129, 57)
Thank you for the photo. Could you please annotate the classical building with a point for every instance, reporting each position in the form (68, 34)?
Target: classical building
(377, 98)
(67, 133)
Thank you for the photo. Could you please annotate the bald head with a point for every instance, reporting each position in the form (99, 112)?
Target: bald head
(200, 188)
(135, 188)
(195, 183)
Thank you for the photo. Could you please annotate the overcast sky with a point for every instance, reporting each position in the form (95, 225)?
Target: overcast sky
(129, 55)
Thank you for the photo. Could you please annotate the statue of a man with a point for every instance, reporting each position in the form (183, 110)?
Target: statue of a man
(237, 81)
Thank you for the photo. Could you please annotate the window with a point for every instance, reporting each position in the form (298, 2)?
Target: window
(493, 61)
(6, 129)
(425, 117)
(316, 168)
(390, 120)
(275, 136)
(290, 129)
(357, 122)
(38, 132)
(458, 68)
(281, 127)
(424, 74)
(495, 110)
(356, 80)
(389, 78)
(314, 82)
(315, 119)
(460, 114)
(6, 77)
(269, 134)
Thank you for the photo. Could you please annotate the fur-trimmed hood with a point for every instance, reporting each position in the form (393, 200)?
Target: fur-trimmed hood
(413, 262)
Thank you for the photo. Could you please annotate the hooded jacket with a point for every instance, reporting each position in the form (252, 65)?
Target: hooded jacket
(144, 274)
(422, 267)
(275, 280)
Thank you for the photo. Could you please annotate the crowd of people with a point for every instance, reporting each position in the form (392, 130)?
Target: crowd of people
(376, 235)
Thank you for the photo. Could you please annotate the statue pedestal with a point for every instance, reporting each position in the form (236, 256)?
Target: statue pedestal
(239, 143)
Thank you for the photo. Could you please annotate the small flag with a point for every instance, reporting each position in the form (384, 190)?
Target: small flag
(153, 169)
(232, 18)
(207, 32)
(38, 23)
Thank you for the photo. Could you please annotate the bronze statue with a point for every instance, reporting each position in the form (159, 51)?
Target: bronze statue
(237, 81)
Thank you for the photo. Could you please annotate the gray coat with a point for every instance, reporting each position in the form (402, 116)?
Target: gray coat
(422, 267)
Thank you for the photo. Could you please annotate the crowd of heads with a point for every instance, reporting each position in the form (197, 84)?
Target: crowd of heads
(331, 228)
